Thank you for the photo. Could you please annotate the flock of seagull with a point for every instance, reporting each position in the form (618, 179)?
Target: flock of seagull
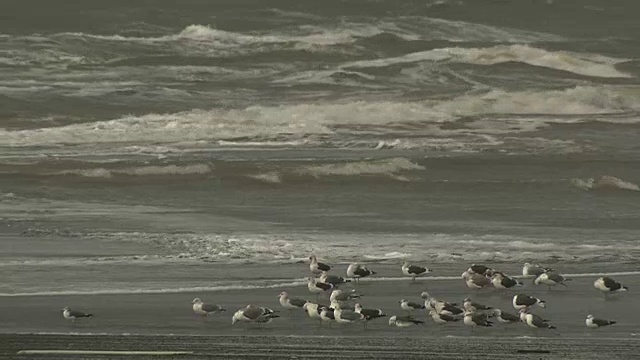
(341, 308)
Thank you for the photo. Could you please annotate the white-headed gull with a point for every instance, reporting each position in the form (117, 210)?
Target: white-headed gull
(74, 314)
(204, 309)
(593, 323)
(414, 270)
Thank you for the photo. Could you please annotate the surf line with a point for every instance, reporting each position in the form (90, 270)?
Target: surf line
(103, 352)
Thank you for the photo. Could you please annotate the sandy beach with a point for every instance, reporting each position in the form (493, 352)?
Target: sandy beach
(168, 320)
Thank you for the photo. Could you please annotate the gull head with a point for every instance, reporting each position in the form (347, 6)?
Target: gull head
(197, 301)
(392, 320)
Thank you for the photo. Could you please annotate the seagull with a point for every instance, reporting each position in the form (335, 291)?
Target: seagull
(332, 279)
(474, 306)
(536, 321)
(342, 295)
(479, 269)
(475, 281)
(505, 317)
(357, 271)
(596, 323)
(502, 281)
(403, 321)
(414, 270)
(607, 284)
(439, 318)
(522, 301)
(534, 270)
(314, 310)
(407, 305)
(73, 314)
(201, 308)
(441, 307)
(290, 303)
(317, 287)
(476, 319)
(327, 315)
(343, 316)
(317, 267)
(369, 314)
(551, 279)
(253, 313)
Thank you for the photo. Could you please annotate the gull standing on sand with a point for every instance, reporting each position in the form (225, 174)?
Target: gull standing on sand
(441, 307)
(474, 319)
(536, 321)
(369, 314)
(334, 280)
(551, 279)
(505, 317)
(502, 281)
(204, 309)
(316, 287)
(439, 318)
(357, 271)
(314, 310)
(475, 280)
(474, 306)
(594, 323)
(414, 270)
(404, 321)
(534, 270)
(522, 301)
(344, 316)
(317, 267)
(254, 313)
(607, 285)
(290, 303)
(407, 305)
(343, 295)
(73, 314)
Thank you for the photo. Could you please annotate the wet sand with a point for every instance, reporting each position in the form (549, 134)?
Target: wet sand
(36, 322)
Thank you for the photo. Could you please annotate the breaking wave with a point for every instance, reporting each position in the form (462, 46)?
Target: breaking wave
(604, 182)
(388, 167)
(196, 169)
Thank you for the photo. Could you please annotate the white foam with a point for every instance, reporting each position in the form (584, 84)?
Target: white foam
(194, 169)
(604, 182)
(373, 167)
(271, 177)
(298, 120)
(577, 63)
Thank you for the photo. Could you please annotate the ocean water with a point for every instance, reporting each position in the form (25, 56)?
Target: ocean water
(146, 138)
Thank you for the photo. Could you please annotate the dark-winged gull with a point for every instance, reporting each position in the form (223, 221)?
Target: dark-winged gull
(441, 307)
(254, 313)
(439, 318)
(407, 305)
(414, 270)
(480, 269)
(204, 309)
(290, 303)
(475, 281)
(537, 322)
(317, 267)
(534, 270)
(73, 314)
(343, 295)
(593, 323)
(505, 317)
(502, 281)
(404, 321)
(344, 316)
(550, 279)
(334, 280)
(607, 284)
(369, 314)
(314, 310)
(357, 271)
(522, 301)
(327, 315)
(476, 319)
(474, 306)
(316, 287)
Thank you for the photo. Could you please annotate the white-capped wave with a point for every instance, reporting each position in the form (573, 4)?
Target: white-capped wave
(604, 182)
(271, 177)
(577, 63)
(194, 169)
(294, 122)
(390, 167)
